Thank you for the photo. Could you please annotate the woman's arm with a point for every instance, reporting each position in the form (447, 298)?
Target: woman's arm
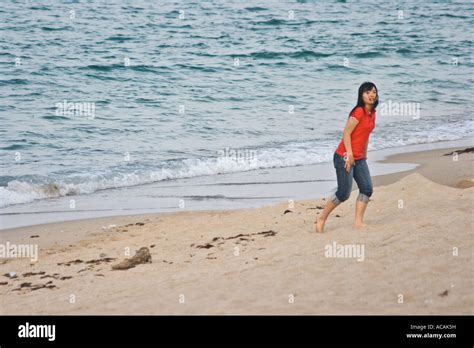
(350, 126)
(366, 146)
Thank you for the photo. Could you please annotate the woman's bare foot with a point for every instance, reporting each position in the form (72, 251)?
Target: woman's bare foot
(319, 225)
(359, 225)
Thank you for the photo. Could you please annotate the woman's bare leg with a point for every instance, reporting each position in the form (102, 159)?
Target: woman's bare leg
(321, 219)
(359, 215)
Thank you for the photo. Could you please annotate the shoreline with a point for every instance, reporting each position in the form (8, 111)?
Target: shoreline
(250, 261)
(432, 170)
(422, 160)
(241, 190)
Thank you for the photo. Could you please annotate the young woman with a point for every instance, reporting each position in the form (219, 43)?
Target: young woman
(351, 155)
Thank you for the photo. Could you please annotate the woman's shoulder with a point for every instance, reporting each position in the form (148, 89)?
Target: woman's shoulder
(357, 109)
(358, 112)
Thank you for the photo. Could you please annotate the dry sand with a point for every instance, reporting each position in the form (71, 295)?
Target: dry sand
(418, 245)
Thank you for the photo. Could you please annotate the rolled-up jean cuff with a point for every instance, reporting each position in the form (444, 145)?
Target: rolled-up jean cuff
(334, 199)
(363, 198)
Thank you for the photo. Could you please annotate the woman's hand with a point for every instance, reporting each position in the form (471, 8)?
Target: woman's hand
(349, 162)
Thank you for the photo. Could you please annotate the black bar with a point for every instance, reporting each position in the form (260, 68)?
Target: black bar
(289, 330)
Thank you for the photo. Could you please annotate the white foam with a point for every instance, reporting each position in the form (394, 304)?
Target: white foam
(291, 154)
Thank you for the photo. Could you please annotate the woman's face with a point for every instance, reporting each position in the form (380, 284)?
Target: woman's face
(370, 96)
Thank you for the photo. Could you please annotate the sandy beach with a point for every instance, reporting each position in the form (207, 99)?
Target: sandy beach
(415, 256)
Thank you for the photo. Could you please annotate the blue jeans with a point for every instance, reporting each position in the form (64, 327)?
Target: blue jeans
(360, 172)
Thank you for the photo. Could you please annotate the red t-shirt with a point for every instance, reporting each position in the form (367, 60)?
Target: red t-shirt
(360, 134)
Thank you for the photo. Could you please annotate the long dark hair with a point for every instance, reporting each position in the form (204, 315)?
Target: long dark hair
(366, 86)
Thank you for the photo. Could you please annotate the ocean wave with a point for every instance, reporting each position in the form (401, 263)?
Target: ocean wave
(120, 38)
(14, 147)
(278, 54)
(18, 191)
(24, 190)
(13, 82)
(99, 67)
(56, 29)
(55, 117)
(256, 9)
(370, 54)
